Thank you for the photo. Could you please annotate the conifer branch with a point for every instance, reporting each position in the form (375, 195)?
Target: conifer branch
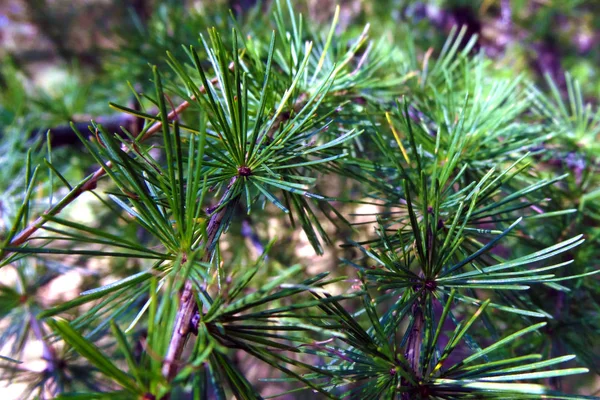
(90, 183)
(187, 303)
(455, 169)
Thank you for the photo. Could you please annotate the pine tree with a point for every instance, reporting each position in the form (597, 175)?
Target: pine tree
(472, 278)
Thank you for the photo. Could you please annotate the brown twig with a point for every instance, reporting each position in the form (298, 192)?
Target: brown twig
(413, 345)
(187, 302)
(412, 353)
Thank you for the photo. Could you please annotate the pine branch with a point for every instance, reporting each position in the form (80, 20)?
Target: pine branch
(90, 182)
(187, 304)
(454, 190)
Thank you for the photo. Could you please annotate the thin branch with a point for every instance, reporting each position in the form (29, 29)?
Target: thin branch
(89, 183)
(187, 303)
(412, 353)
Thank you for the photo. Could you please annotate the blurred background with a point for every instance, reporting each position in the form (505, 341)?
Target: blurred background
(49, 40)
(58, 48)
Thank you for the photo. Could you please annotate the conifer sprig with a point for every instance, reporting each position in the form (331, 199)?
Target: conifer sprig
(451, 294)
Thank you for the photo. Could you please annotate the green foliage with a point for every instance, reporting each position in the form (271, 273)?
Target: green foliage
(476, 279)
